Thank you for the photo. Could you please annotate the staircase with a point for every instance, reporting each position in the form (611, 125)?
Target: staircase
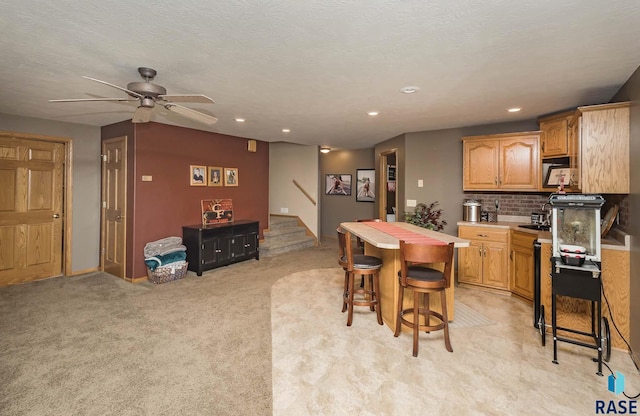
(284, 235)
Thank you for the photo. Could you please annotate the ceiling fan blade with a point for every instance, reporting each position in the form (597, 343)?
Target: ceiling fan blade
(192, 114)
(142, 115)
(187, 98)
(132, 93)
(71, 100)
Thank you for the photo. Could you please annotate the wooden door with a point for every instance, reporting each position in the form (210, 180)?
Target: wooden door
(495, 265)
(519, 163)
(470, 263)
(480, 164)
(521, 270)
(31, 209)
(114, 204)
(554, 138)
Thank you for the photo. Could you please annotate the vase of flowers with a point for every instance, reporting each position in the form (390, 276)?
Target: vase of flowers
(426, 216)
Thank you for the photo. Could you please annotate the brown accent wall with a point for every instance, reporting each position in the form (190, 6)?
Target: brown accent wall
(160, 208)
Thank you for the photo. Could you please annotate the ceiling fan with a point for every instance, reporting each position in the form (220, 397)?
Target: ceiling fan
(150, 94)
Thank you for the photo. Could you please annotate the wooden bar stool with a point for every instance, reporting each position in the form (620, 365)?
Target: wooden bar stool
(358, 264)
(414, 274)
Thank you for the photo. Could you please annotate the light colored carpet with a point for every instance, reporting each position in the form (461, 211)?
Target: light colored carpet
(498, 367)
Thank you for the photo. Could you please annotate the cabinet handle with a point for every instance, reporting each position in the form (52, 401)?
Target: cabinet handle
(480, 251)
(542, 147)
(484, 252)
(511, 255)
(483, 235)
(496, 180)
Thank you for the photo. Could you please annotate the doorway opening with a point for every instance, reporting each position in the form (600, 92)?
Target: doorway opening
(387, 191)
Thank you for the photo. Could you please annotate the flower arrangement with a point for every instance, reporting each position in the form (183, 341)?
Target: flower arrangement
(426, 216)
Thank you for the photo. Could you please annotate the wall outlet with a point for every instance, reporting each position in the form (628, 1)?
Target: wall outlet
(284, 210)
(411, 202)
(420, 183)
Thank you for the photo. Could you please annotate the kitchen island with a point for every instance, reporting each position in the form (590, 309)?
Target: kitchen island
(387, 247)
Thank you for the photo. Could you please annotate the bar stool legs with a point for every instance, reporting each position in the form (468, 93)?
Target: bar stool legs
(370, 296)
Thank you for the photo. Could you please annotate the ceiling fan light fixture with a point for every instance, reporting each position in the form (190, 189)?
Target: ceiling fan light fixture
(325, 149)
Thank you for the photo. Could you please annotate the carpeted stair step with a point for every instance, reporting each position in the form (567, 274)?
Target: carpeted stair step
(269, 248)
(284, 235)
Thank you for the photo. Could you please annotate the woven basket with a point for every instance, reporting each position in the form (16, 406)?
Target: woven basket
(169, 272)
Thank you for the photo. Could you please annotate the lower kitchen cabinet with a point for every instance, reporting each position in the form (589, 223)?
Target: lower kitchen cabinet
(216, 245)
(486, 261)
(522, 264)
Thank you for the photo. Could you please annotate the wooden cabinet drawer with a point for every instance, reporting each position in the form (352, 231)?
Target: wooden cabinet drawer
(523, 239)
(471, 232)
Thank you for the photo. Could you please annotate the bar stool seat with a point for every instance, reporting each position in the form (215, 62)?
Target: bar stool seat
(358, 264)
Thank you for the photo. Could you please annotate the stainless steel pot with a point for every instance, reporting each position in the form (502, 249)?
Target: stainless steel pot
(471, 210)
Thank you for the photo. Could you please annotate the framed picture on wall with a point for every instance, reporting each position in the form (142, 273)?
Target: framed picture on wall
(230, 176)
(365, 185)
(338, 184)
(391, 172)
(215, 176)
(198, 175)
(557, 174)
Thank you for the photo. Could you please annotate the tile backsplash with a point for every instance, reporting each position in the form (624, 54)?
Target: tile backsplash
(522, 205)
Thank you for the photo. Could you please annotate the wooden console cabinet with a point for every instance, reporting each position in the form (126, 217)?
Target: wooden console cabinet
(216, 245)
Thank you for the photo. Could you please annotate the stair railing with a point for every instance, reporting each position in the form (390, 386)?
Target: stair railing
(313, 201)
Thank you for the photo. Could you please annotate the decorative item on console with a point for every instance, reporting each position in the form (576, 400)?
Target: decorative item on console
(216, 211)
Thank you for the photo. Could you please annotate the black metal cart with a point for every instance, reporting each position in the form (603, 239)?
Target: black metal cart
(582, 282)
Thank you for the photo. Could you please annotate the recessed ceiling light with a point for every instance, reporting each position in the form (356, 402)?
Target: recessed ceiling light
(325, 150)
(240, 120)
(409, 90)
(514, 110)
(373, 113)
(286, 130)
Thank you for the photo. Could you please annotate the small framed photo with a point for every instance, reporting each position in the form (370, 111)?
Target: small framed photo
(198, 175)
(557, 174)
(338, 184)
(366, 185)
(230, 176)
(391, 172)
(215, 176)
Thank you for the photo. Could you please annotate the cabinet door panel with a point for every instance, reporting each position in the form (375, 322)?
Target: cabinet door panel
(470, 263)
(481, 164)
(519, 163)
(209, 251)
(522, 272)
(495, 265)
(554, 138)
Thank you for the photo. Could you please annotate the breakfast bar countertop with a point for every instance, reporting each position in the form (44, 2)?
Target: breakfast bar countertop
(381, 239)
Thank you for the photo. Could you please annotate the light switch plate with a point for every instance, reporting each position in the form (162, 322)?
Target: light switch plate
(147, 178)
(411, 202)
(420, 183)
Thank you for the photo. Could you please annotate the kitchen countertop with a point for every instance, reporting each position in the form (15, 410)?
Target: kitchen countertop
(615, 240)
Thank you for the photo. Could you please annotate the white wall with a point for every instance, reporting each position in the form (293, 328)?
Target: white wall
(85, 238)
(287, 162)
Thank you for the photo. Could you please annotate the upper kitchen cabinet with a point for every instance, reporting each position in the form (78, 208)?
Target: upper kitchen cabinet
(554, 139)
(603, 154)
(508, 161)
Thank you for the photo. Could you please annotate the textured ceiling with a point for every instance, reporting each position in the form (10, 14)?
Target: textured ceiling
(318, 67)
